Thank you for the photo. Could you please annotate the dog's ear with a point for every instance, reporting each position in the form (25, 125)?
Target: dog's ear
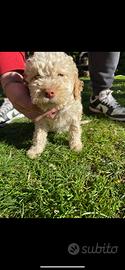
(78, 87)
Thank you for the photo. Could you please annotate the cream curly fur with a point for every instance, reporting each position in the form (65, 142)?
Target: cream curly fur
(55, 72)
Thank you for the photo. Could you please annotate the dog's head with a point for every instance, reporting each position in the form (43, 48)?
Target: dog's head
(52, 79)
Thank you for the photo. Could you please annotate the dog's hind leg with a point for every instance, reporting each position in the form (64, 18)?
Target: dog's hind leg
(39, 142)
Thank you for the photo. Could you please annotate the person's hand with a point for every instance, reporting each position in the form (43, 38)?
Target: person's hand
(18, 93)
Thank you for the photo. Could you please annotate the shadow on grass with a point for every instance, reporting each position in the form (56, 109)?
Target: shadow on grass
(17, 134)
(20, 135)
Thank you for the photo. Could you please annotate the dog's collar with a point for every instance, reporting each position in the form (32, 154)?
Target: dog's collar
(50, 114)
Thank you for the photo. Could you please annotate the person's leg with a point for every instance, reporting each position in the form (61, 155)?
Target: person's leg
(102, 66)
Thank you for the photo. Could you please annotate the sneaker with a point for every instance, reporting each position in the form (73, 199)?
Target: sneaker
(8, 113)
(106, 104)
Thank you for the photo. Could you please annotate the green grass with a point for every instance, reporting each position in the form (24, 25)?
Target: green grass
(62, 183)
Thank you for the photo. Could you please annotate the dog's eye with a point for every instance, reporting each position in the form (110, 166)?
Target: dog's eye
(60, 74)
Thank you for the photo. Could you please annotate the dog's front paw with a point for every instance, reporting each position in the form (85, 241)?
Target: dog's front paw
(31, 153)
(76, 147)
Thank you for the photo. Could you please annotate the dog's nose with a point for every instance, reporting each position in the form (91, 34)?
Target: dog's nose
(49, 93)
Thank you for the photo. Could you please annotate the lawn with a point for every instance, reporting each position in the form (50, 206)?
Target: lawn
(62, 183)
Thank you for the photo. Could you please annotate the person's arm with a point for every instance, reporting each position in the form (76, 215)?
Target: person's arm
(18, 93)
(12, 66)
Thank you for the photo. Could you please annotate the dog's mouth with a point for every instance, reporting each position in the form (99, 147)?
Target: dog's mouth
(48, 100)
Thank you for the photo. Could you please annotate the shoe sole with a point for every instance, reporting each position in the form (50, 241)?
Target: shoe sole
(15, 117)
(96, 111)
(93, 110)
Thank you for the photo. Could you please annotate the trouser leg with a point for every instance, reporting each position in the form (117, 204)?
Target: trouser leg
(102, 66)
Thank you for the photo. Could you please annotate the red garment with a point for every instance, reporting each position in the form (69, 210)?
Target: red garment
(11, 61)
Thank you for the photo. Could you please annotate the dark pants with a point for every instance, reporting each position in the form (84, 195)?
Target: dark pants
(102, 66)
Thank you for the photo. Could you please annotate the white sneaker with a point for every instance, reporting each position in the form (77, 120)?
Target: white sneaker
(105, 103)
(8, 113)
